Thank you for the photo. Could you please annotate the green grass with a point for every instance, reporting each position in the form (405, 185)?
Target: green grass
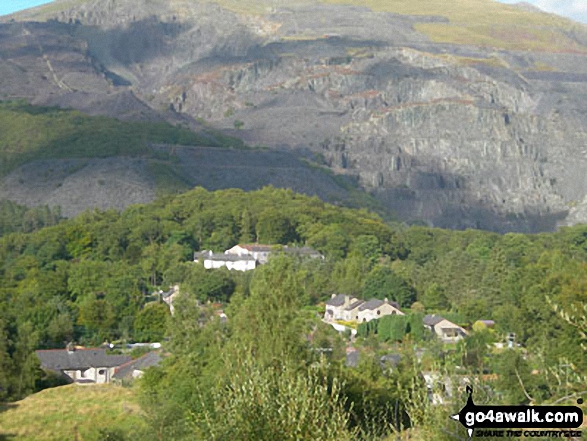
(30, 132)
(56, 414)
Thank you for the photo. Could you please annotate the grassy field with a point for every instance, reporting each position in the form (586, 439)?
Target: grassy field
(71, 412)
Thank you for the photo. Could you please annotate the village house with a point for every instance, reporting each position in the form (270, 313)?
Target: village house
(260, 253)
(89, 366)
(349, 308)
(351, 312)
(237, 262)
(247, 257)
(136, 368)
(446, 330)
(375, 308)
(336, 305)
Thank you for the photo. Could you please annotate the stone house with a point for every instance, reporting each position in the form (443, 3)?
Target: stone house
(351, 312)
(349, 308)
(336, 306)
(90, 366)
(446, 330)
(375, 308)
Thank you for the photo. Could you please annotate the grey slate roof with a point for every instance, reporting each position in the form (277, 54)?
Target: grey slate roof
(146, 361)
(338, 300)
(257, 247)
(371, 304)
(432, 320)
(376, 303)
(354, 305)
(62, 359)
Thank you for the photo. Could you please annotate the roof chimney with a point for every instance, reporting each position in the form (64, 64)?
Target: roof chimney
(333, 296)
(386, 300)
(70, 348)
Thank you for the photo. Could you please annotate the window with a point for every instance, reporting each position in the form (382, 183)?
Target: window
(102, 371)
(378, 312)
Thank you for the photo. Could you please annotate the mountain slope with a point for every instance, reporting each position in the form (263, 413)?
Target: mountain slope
(461, 114)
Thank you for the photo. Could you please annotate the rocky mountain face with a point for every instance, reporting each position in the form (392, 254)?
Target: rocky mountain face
(454, 135)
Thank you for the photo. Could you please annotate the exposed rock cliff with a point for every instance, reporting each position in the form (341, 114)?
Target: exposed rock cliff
(452, 134)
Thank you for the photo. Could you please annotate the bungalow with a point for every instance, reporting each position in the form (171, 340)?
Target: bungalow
(446, 330)
(136, 368)
(81, 365)
(375, 308)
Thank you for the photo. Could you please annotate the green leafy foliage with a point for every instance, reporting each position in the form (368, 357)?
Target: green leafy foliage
(382, 282)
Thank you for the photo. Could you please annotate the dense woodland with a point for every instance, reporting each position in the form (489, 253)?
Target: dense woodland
(274, 370)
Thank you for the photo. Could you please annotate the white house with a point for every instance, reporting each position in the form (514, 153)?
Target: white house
(260, 253)
(247, 257)
(231, 261)
(82, 365)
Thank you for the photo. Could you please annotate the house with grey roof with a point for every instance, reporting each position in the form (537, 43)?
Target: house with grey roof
(444, 329)
(336, 305)
(237, 262)
(136, 368)
(91, 366)
(261, 253)
(349, 308)
(375, 308)
(351, 312)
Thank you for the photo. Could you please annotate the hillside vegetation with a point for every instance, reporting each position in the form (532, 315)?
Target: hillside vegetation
(88, 413)
(32, 132)
(91, 279)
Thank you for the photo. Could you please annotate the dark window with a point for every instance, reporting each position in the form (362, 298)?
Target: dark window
(102, 371)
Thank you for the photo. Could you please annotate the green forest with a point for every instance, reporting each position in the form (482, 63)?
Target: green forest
(274, 370)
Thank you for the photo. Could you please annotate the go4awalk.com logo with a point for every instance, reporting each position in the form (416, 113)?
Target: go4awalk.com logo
(518, 420)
